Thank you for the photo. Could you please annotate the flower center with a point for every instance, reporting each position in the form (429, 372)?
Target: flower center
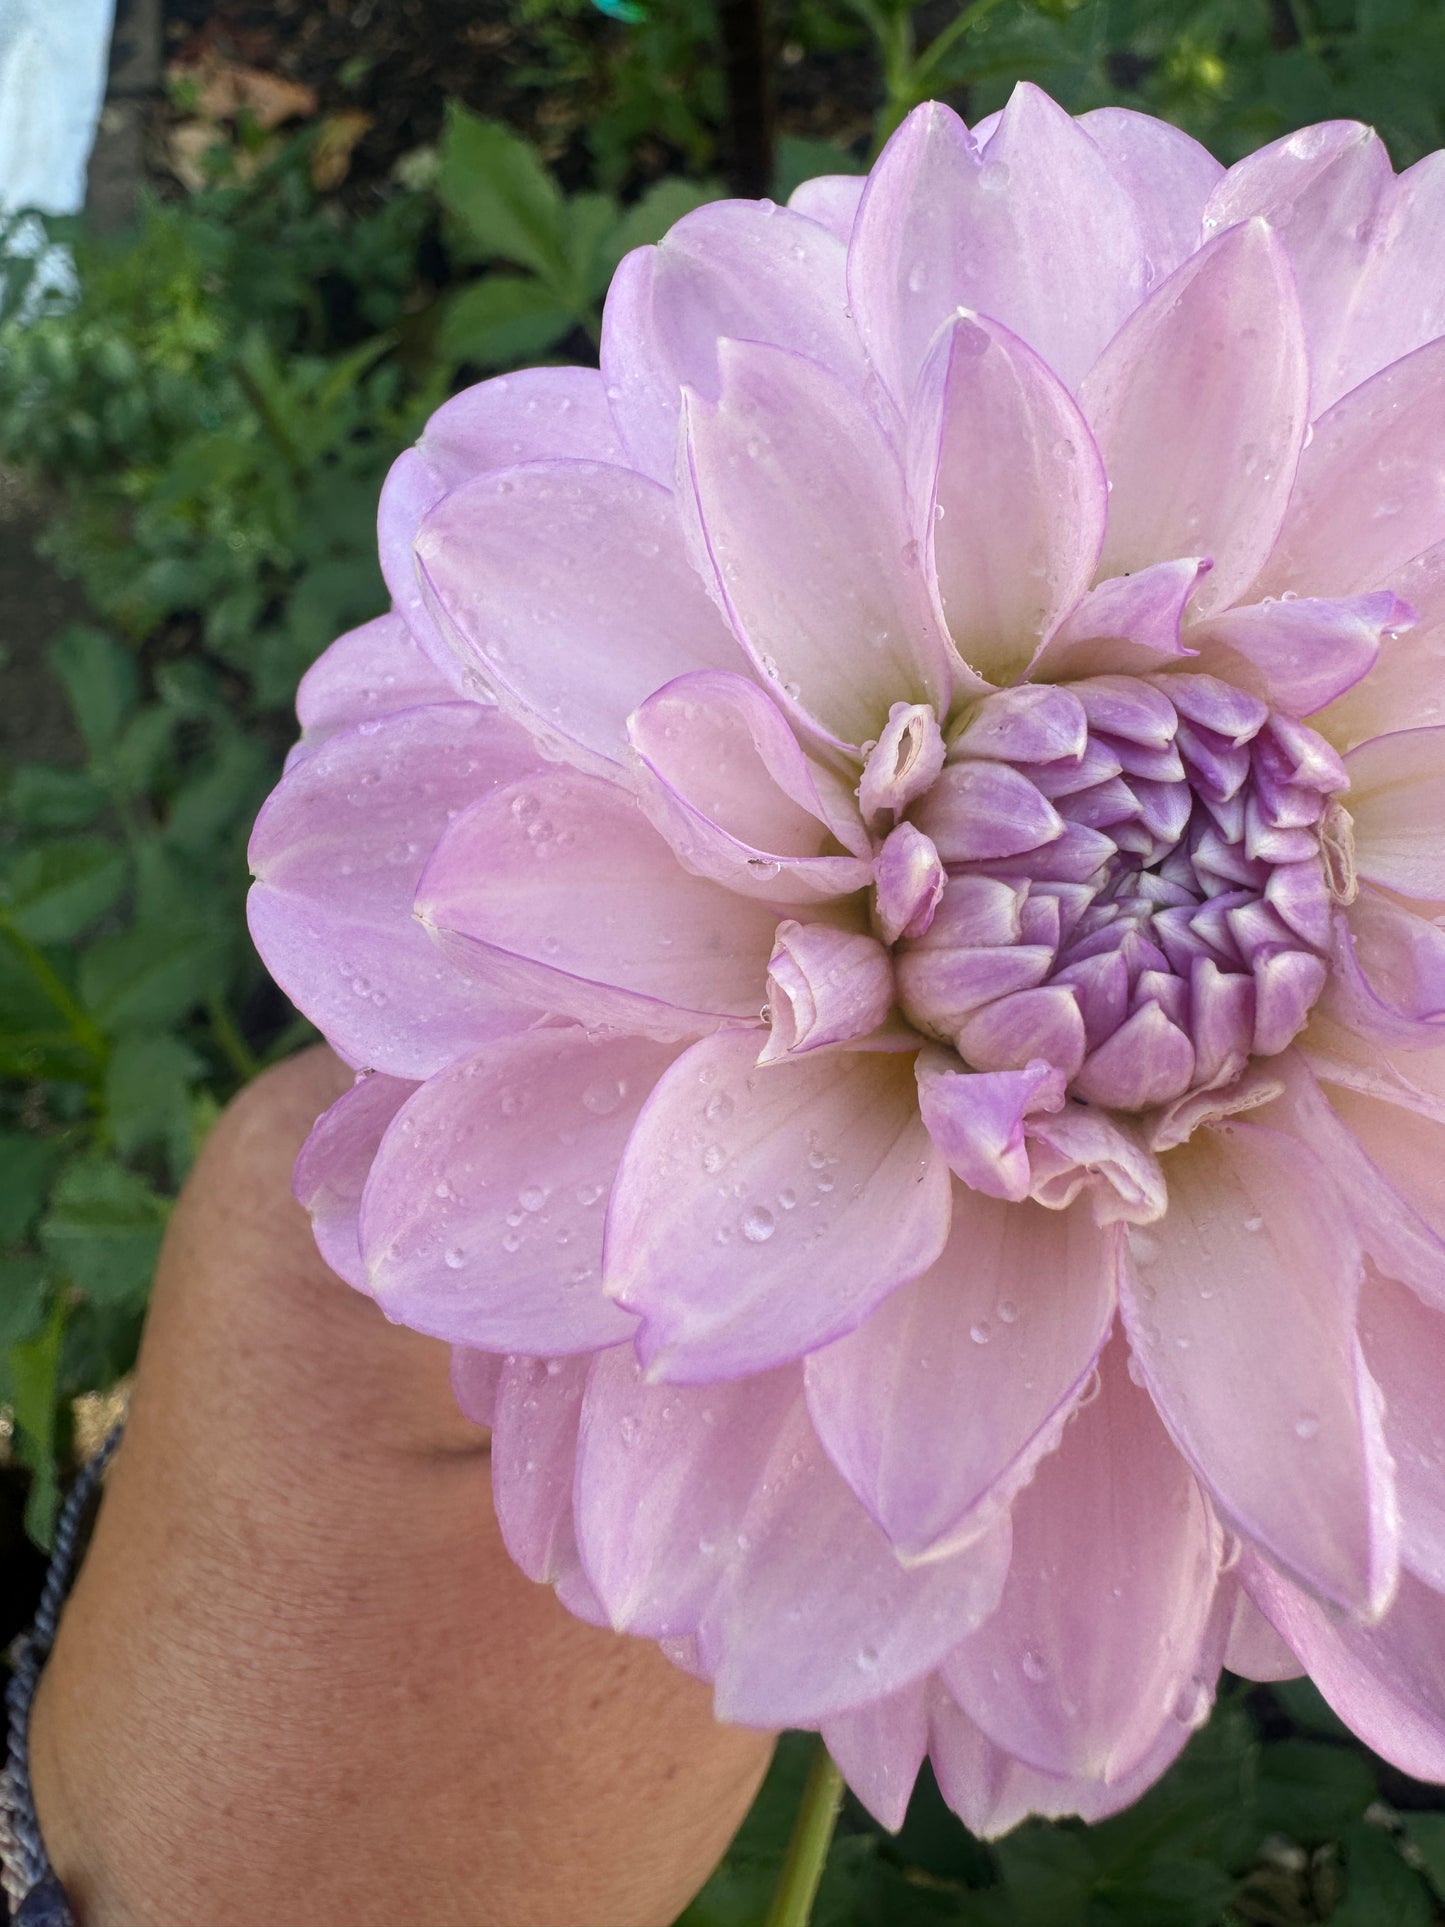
(1129, 878)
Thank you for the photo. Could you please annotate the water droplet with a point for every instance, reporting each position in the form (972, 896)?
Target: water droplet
(758, 1225)
(1306, 1426)
(511, 1241)
(554, 1367)
(630, 1430)
(719, 1108)
(1254, 1224)
(979, 1333)
(867, 1659)
(603, 1096)
(1007, 1311)
(1032, 1666)
(455, 1258)
(1191, 1703)
(512, 1101)
(787, 1198)
(1143, 1246)
(713, 1159)
(588, 1194)
(532, 1197)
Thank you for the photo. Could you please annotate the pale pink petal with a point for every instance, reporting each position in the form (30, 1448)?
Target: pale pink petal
(879, 1747)
(1015, 503)
(1039, 234)
(760, 1211)
(483, 1215)
(733, 268)
(939, 1407)
(1080, 1151)
(1388, 979)
(1322, 189)
(1128, 625)
(1387, 1682)
(976, 1118)
(723, 779)
(476, 1380)
(1240, 1310)
(831, 199)
(561, 891)
(1397, 801)
(536, 1409)
(1199, 406)
(1406, 687)
(825, 986)
(909, 880)
(1169, 178)
(337, 852)
(1255, 1650)
(1399, 303)
(713, 1508)
(537, 414)
(335, 1160)
(368, 673)
(902, 765)
(1380, 445)
(1404, 1345)
(804, 528)
(1299, 654)
(1099, 1632)
(564, 588)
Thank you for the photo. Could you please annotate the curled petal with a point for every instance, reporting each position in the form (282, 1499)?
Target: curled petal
(1099, 1633)
(1300, 654)
(976, 1118)
(902, 764)
(723, 779)
(337, 852)
(1080, 1150)
(1199, 405)
(1006, 1034)
(482, 1219)
(759, 1212)
(1148, 1060)
(908, 879)
(1031, 723)
(560, 890)
(1240, 1310)
(825, 986)
(802, 530)
(1127, 625)
(979, 810)
(938, 1408)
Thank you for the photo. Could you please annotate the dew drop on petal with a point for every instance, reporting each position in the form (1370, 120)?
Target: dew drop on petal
(1306, 1426)
(758, 1225)
(603, 1096)
(1032, 1666)
(455, 1258)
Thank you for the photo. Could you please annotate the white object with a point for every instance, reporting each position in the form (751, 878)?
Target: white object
(53, 60)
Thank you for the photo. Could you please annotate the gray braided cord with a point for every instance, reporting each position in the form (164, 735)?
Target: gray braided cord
(35, 1895)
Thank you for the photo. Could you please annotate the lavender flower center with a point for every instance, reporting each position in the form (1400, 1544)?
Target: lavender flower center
(1130, 878)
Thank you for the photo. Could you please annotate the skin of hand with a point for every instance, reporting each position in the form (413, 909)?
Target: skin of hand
(299, 1680)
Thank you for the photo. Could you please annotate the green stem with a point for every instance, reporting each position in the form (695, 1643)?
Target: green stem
(807, 1855)
(964, 22)
(83, 1027)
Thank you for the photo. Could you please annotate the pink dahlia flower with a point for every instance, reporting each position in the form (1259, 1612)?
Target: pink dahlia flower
(883, 881)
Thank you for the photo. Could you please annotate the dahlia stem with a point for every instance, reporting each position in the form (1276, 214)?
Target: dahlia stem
(807, 1855)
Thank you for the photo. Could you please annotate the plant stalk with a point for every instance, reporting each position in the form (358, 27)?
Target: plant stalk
(807, 1855)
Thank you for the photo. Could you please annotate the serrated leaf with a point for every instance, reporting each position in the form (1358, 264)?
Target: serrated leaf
(27, 1164)
(103, 1230)
(100, 679)
(502, 319)
(151, 976)
(52, 891)
(499, 193)
(148, 1094)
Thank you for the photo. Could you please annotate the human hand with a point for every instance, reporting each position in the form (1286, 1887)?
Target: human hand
(299, 1679)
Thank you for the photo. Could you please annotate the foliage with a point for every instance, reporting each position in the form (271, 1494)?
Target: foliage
(209, 421)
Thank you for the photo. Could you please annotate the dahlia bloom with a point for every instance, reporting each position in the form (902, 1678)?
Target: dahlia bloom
(884, 882)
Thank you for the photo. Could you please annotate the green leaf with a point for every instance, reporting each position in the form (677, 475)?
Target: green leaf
(800, 160)
(149, 977)
(148, 1095)
(1309, 1790)
(41, 798)
(100, 679)
(499, 193)
(34, 1371)
(103, 1229)
(27, 1164)
(22, 1297)
(1379, 1887)
(1427, 1832)
(502, 319)
(54, 890)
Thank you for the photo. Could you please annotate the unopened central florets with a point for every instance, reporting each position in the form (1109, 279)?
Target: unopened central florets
(1130, 878)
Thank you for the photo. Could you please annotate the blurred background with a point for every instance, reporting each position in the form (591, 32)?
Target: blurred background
(305, 223)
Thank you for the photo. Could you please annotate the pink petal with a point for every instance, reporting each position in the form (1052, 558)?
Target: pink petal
(939, 1407)
(560, 890)
(1255, 1649)
(1240, 1310)
(476, 1380)
(832, 199)
(825, 986)
(1321, 189)
(1397, 800)
(538, 414)
(1082, 1151)
(1386, 1682)
(1388, 979)
(713, 1507)
(482, 1221)
(368, 673)
(337, 852)
(1006, 1034)
(1404, 1345)
(565, 588)
(759, 1212)
(1299, 654)
(1399, 303)
(1128, 625)
(1016, 499)
(1099, 1633)
(878, 1748)
(723, 779)
(1406, 687)
(976, 1118)
(909, 880)
(335, 1160)
(1380, 445)
(534, 1450)
(1169, 178)
(1199, 406)
(941, 228)
(733, 268)
(1148, 1060)
(902, 765)
(803, 524)
(981, 809)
